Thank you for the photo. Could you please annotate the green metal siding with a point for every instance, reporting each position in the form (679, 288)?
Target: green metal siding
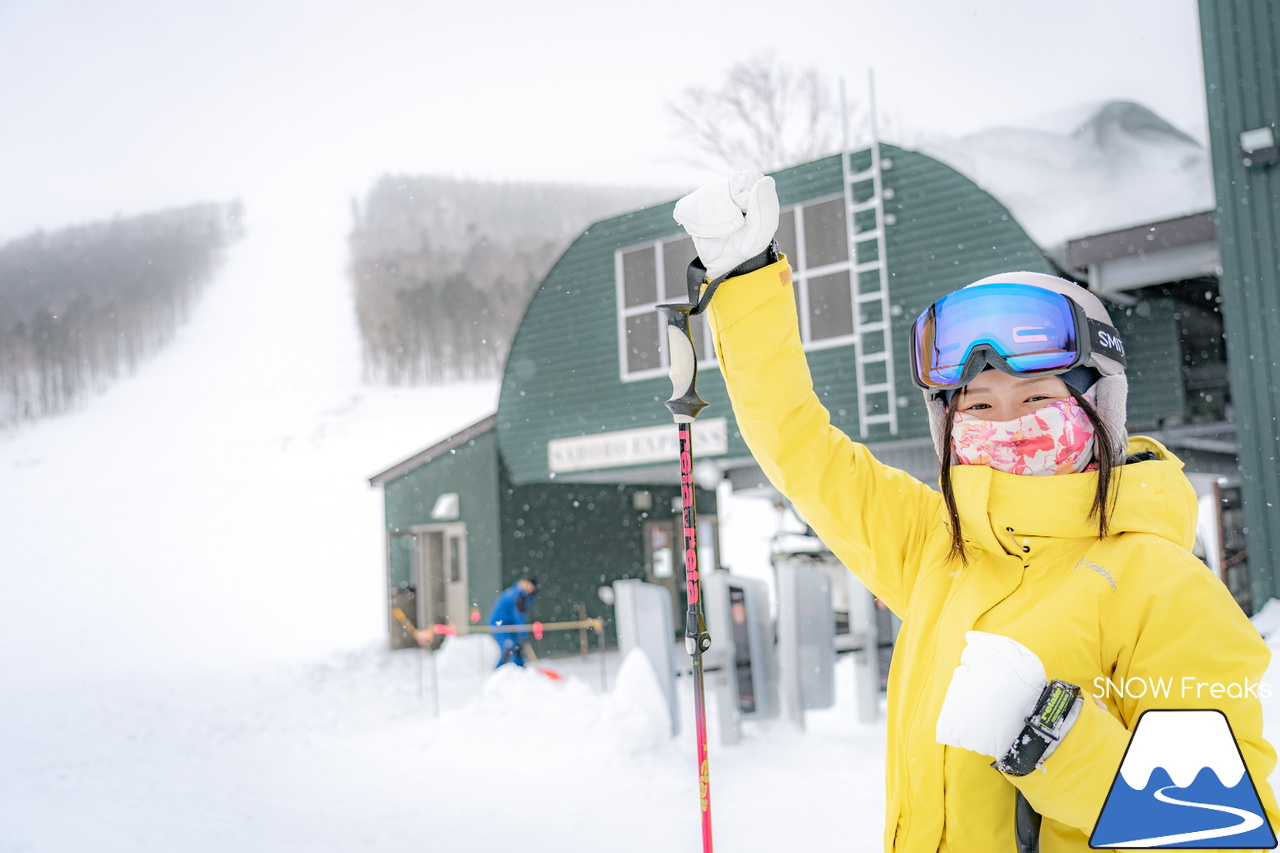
(562, 375)
(947, 233)
(1150, 334)
(472, 472)
(576, 538)
(1241, 43)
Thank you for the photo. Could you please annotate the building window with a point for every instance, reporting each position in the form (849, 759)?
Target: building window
(649, 275)
(815, 238)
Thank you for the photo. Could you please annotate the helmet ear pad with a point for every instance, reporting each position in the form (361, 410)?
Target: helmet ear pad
(1110, 396)
(1111, 400)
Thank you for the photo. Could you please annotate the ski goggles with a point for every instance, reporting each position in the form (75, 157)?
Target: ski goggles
(1020, 329)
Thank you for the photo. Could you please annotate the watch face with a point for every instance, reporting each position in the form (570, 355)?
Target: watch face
(1056, 706)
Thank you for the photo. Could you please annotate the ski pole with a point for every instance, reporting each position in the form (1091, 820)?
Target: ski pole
(684, 405)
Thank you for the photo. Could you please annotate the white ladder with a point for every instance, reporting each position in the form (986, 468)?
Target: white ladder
(869, 280)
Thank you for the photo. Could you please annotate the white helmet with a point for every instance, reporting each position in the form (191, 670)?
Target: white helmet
(1100, 375)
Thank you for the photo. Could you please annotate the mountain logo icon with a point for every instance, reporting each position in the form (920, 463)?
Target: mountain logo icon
(1183, 783)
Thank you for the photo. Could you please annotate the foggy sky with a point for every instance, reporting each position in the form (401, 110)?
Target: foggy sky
(123, 107)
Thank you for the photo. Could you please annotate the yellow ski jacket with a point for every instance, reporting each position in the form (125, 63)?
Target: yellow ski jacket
(1136, 607)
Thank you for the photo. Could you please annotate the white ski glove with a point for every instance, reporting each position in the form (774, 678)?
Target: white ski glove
(730, 220)
(993, 690)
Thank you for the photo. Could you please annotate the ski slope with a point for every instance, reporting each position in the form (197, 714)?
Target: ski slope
(192, 626)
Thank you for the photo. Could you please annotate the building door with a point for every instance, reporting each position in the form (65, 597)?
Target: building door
(440, 574)
(402, 569)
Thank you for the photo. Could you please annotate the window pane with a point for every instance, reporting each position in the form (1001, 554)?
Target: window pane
(642, 342)
(675, 266)
(786, 236)
(639, 277)
(825, 239)
(830, 306)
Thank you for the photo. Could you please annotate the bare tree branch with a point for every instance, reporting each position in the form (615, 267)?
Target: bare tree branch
(764, 116)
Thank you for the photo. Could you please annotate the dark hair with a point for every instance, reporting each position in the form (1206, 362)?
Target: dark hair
(1104, 454)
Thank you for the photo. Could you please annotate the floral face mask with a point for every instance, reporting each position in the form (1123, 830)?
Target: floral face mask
(1054, 439)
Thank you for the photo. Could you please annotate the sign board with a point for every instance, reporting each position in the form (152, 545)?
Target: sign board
(634, 446)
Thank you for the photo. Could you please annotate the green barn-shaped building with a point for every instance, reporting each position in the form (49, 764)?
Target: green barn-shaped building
(574, 478)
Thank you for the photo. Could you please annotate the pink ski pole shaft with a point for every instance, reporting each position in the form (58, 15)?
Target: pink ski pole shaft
(685, 404)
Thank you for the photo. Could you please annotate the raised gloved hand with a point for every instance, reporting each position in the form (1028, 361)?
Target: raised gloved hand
(993, 690)
(730, 220)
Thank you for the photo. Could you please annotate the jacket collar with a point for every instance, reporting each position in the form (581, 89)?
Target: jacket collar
(1153, 497)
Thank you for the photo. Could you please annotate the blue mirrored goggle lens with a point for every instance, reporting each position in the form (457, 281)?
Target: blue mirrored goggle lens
(1032, 329)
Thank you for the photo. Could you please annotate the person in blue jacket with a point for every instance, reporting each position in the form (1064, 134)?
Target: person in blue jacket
(512, 608)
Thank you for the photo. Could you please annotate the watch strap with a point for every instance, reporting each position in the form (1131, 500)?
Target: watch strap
(1045, 725)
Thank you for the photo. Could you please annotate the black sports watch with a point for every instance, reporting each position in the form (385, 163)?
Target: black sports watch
(1043, 727)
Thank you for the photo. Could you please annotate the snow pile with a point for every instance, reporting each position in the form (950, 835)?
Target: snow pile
(468, 656)
(1267, 621)
(1088, 170)
(636, 710)
(539, 705)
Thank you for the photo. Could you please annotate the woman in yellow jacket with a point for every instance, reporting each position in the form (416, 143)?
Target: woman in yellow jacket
(1048, 593)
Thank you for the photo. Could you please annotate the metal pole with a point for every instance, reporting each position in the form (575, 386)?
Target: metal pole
(435, 681)
(604, 669)
(844, 119)
(684, 405)
(1222, 544)
(422, 674)
(871, 96)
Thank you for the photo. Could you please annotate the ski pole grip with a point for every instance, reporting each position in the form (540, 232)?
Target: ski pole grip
(685, 404)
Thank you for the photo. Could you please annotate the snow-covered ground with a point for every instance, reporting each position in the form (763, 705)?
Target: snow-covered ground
(192, 627)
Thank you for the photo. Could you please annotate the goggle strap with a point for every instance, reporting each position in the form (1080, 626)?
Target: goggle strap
(1105, 340)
